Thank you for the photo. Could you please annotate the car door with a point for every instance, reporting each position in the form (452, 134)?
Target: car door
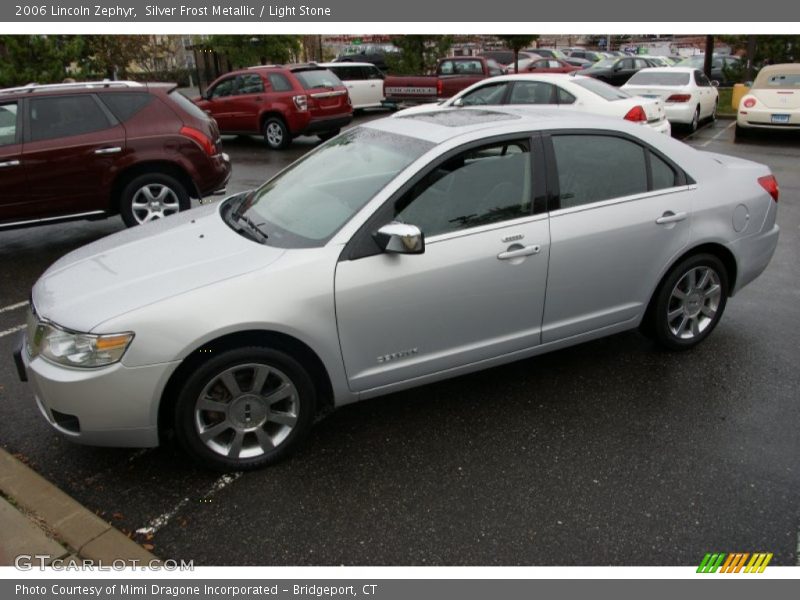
(354, 80)
(219, 103)
(621, 213)
(477, 291)
(374, 83)
(246, 102)
(16, 202)
(623, 70)
(73, 146)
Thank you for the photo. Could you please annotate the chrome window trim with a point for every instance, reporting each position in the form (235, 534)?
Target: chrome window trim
(621, 200)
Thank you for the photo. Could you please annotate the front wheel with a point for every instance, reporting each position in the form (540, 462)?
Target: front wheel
(690, 302)
(244, 409)
(152, 196)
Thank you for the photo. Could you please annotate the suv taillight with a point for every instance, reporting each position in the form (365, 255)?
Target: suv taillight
(301, 102)
(206, 143)
(679, 98)
(637, 115)
(769, 183)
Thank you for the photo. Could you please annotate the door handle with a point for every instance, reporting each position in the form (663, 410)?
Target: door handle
(526, 251)
(671, 217)
(9, 163)
(113, 150)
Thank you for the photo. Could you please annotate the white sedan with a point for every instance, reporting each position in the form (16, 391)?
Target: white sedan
(688, 95)
(560, 91)
(773, 101)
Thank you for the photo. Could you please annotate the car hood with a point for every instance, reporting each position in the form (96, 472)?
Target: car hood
(143, 265)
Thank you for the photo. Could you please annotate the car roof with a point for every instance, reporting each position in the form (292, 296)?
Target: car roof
(75, 87)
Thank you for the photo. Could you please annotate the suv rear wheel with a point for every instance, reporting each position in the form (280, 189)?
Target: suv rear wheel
(276, 134)
(152, 196)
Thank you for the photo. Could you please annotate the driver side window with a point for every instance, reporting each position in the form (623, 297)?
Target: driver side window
(478, 187)
(488, 94)
(223, 88)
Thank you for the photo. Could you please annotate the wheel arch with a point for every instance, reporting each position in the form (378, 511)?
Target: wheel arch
(154, 166)
(269, 113)
(271, 339)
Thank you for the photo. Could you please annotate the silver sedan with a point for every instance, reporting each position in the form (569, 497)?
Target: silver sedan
(404, 251)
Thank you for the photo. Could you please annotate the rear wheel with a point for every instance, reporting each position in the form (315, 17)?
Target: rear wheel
(152, 196)
(690, 302)
(695, 120)
(276, 134)
(245, 408)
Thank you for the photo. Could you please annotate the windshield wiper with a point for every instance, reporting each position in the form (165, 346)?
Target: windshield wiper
(251, 226)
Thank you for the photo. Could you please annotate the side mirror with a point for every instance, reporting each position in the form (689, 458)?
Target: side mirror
(458, 102)
(715, 83)
(400, 238)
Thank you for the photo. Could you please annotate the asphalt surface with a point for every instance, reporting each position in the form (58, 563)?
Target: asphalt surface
(609, 453)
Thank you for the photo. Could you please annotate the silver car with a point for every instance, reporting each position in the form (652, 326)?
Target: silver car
(404, 251)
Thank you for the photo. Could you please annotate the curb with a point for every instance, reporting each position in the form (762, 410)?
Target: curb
(86, 535)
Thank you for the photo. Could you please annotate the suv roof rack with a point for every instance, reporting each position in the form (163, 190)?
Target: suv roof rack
(35, 87)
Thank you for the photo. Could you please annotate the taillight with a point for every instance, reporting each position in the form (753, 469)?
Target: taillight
(679, 98)
(301, 102)
(206, 143)
(749, 102)
(637, 115)
(439, 87)
(769, 183)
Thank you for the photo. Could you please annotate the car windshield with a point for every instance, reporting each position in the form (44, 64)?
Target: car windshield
(602, 89)
(318, 78)
(659, 78)
(305, 205)
(606, 63)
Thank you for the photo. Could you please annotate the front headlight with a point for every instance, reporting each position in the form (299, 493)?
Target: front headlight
(75, 349)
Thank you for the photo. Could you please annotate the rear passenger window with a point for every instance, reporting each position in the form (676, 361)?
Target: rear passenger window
(124, 105)
(64, 116)
(592, 168)
(478, 187)
(532, 92)
(564, 97)
(279, 83)
(663, 175)
(8, 124)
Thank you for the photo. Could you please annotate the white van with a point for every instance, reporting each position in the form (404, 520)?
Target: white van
(364, 82)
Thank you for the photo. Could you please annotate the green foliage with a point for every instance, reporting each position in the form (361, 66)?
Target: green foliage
(418, 53)
(37, 58)
(108, 56)
(249, 50)
(517, 43)
(770, 49)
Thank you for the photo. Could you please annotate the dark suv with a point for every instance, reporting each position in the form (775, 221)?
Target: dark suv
(279, 102)
(91, 150)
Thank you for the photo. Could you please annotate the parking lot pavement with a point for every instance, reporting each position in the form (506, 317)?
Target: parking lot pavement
(609, 453)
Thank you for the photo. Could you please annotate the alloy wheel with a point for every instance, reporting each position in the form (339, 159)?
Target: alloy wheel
(694, 302)
(154, 201)
(274, 134)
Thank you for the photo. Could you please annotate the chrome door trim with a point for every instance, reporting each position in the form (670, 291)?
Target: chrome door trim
(622, 200)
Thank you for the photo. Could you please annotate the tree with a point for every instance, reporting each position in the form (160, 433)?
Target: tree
(517, 43)
(109, 56)
(249, 50)
(37, 58)
(418, 53)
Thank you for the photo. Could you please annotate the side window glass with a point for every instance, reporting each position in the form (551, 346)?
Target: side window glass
(488, 94)
(478, 187)
(564, 97)
(63, 116)
(375, 73)
(279, 83)
(249, 84)
(592, 168)
(532, 92)
(663, 175)
(124, 104)
(8, 123)
(223, 88)
(446, 68)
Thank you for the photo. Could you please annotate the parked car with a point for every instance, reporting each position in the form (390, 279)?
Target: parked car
(559, 55)
(773, 101)
(452, 75)
(364, 82)
(688, 95)
(96, 149)
(590, 55)
(506, 57)
(543, 65)
(405, 251)
(723, 67)
(559, 91)
(616, 71)
(375, 54)
(657, 61)
(279, 102)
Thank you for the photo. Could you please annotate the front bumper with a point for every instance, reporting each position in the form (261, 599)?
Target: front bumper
(108, 406)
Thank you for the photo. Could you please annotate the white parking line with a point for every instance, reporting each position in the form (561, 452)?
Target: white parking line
(13, 306)
(165, 518)
(12, 330)
(716, 135)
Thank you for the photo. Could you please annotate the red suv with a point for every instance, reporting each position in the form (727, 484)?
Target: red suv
(280, 102)
(90, 150)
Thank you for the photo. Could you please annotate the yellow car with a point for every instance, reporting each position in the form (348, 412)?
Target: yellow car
(773, 102)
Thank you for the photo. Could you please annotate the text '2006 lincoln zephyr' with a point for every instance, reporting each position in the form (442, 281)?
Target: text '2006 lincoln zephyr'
(401, 252)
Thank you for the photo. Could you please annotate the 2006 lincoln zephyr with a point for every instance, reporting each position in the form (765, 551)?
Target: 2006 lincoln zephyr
(401, 252)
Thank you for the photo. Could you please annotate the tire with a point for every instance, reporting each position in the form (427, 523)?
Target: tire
(713, 116)
(690, 302)
(328, 134)
(152, 196)
(243, 430)
(695, 120)
(740, 133)
(276, 134)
